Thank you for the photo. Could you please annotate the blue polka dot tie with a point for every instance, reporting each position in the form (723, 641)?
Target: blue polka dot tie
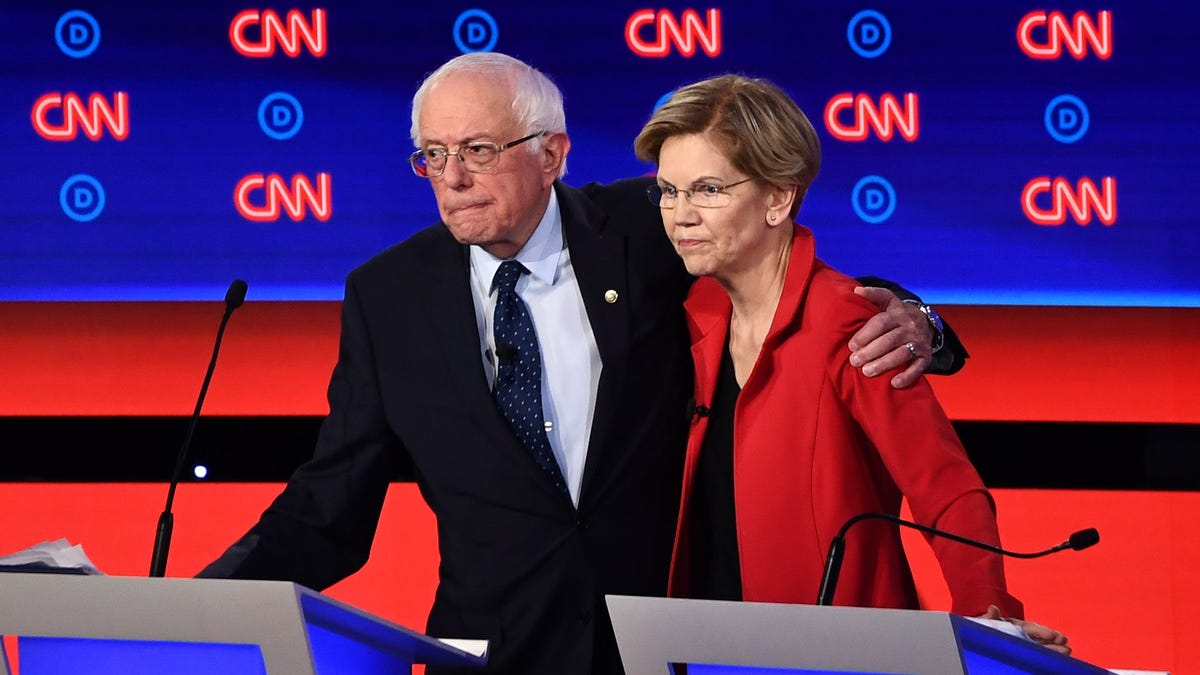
(519, 378)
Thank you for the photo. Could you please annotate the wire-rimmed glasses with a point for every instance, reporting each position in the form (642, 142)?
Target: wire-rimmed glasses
(703, 195)
(476, 157)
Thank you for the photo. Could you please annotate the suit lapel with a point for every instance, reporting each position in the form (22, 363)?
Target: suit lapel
(455, 332)
(451, 312)
(599, 261)
(708, 309)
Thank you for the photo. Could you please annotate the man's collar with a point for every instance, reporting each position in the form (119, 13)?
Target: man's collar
(540, 255)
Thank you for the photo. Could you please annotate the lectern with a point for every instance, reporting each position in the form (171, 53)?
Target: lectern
(710, 637)
(133, 625)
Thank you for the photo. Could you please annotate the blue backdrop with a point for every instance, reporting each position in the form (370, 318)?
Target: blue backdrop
(1006, 115)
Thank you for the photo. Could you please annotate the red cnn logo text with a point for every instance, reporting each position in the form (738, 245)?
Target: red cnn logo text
(1082, 200)
(288, 34)
(684, 33)
(1076, 36)
(93, 117)
(885, 118)
(278, 197)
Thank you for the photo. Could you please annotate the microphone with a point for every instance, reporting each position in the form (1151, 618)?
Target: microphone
(234, 298)
(696, 411)
(833, 562)
(505, 352)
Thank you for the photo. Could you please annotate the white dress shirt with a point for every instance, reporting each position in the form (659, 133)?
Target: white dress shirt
(570, 359)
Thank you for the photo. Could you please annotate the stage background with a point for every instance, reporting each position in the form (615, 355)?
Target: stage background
(955, 134)
(127, 128)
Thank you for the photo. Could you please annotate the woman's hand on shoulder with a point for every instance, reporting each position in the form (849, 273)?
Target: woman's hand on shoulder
(1043, 635)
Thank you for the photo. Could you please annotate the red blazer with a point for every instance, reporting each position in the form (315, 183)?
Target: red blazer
(816, 442)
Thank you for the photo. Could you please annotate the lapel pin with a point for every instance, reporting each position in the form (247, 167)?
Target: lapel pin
(610, 296)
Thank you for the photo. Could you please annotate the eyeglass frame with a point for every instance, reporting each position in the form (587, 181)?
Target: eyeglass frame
(499, 148)
(687, 194)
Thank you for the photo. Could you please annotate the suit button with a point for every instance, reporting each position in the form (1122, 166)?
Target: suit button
(582, 524)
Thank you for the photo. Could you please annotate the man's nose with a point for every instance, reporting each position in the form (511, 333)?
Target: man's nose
(456, 174)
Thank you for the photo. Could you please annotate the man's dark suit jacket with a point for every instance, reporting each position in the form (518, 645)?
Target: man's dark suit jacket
(520, 565)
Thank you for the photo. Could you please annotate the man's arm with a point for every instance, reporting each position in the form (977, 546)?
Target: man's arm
(880, 346)
(319, 530)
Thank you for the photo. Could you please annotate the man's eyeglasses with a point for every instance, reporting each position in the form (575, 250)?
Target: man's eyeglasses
(477, 157)
(703, 195)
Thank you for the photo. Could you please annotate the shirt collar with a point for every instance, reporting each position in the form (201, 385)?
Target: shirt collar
(539, 255)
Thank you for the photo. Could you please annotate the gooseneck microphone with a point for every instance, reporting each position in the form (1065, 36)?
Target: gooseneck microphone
(505, 352)
(833, 562)
(234, 298)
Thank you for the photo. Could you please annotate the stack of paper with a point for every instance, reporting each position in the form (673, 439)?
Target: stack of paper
(57, 556)
(472, 647)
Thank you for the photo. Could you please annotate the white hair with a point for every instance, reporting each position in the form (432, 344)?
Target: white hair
(537, 103)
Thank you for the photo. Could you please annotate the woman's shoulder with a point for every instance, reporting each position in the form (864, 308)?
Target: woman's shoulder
(832, 309)
(832, 291)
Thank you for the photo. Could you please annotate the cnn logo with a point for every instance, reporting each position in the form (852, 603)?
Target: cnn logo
(60, 117)
(1046, 35)
(850, 117)
(267, 197)
(1082, 200)
(290, 34)
(665, 30)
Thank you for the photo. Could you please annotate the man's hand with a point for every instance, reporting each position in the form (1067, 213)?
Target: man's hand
(1043, 635)
(898, 337)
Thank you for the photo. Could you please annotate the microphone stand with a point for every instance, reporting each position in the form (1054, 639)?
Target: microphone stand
(833, 561)
(234, 298)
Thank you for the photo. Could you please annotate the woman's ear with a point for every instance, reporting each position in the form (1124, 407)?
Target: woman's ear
(779, 203)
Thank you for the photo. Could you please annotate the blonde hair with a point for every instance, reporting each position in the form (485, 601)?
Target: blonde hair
(758, 127)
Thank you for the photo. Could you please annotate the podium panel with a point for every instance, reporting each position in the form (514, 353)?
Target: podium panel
(712, 637)
(200, 625)
(71, 656)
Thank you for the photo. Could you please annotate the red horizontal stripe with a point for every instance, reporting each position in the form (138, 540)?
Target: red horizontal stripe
(1085, 364)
